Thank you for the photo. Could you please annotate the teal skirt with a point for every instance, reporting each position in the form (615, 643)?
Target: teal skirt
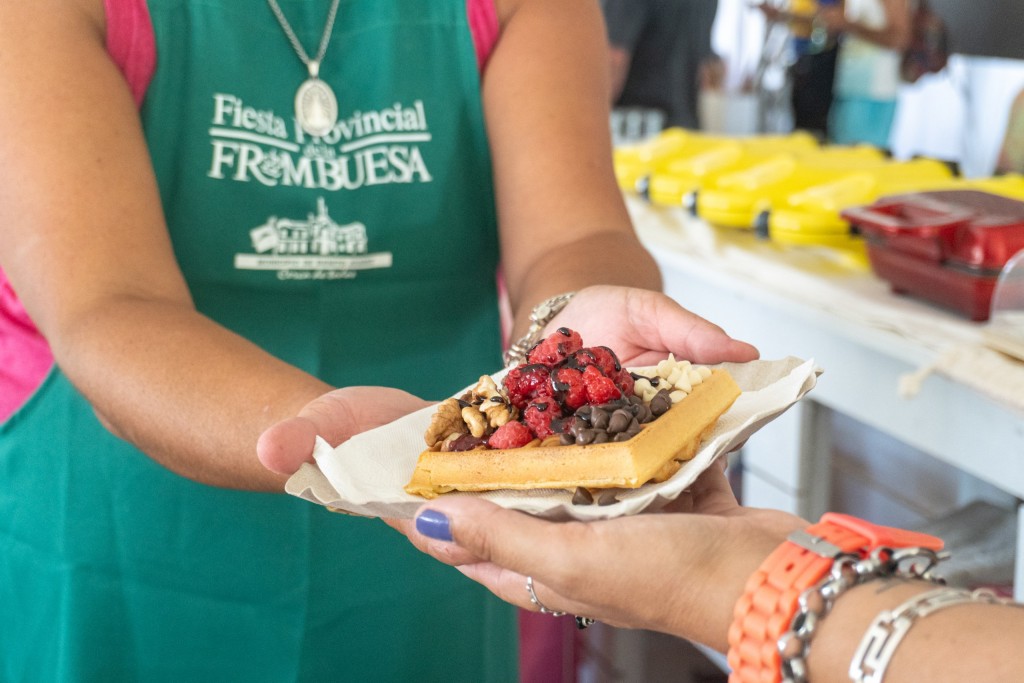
(854, 120)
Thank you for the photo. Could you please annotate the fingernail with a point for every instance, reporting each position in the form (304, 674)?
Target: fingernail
(434, 524)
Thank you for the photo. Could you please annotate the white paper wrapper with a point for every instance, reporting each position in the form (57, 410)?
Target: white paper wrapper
(367, 474)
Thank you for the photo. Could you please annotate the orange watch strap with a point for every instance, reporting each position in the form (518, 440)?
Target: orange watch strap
(769, 602)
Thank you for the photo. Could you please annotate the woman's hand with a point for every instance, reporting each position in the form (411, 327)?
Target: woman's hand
(643, 327)
(336, 416)
(676, 573)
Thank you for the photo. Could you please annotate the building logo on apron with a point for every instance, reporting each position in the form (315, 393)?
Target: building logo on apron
(314, 248)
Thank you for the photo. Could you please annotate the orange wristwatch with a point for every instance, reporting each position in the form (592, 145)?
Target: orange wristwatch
(765, 612)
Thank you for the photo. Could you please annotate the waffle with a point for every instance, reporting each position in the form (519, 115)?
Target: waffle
(653, 455)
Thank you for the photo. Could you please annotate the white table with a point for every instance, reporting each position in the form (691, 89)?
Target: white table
(813, 304)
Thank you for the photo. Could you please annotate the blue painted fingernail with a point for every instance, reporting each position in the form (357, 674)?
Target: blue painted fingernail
(434, 524)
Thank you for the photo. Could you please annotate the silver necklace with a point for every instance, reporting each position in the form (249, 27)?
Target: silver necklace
(316, 107)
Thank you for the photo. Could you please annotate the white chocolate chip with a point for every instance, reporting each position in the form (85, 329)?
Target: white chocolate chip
(677, 376)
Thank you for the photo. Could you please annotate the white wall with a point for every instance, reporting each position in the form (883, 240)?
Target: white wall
(960, 114)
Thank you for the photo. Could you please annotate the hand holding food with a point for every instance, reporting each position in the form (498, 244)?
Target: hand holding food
(335, 416)
(684, 574)
(677, 573)
(644, 326)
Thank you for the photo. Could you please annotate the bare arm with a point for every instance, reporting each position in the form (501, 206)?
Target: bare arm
(84, 242)
(563, 222)
(953, 644)
(692, 569)
(1009, 158)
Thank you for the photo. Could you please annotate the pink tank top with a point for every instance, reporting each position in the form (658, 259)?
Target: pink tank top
(25, 356)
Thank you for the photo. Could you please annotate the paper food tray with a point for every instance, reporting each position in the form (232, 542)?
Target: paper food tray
(366, 475)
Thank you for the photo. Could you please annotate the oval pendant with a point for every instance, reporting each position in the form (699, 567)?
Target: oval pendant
(316, 107)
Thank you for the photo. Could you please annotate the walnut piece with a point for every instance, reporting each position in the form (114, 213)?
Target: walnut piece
(492, 403)
(445, 421)
(478, 412)
(475, 420)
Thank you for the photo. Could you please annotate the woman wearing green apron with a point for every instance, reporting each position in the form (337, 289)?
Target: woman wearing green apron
(306, 203)
(326, 256)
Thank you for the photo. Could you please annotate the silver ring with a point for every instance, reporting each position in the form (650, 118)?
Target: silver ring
(535, 601)
(584, 622)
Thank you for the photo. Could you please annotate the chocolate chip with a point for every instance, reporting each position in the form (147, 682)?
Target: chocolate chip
(660, 403)
(585, 436)
(607, 497)
(619, 421)
(582, 496)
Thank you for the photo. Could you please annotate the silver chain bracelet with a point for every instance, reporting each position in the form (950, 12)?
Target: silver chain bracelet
(848, 571)
(541, 315)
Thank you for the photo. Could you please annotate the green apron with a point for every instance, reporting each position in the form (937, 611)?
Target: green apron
(367, 257)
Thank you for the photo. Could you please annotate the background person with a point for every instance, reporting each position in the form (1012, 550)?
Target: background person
(658, 50)
(1010, 158)
(873, 35)
(813, 69)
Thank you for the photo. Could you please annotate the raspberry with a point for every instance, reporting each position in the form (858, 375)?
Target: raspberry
(526, 382)
(510, 435)
(539, 415)
(624, 381)
(600, 389)
(568, 383)
(556, 347)
(601, 356)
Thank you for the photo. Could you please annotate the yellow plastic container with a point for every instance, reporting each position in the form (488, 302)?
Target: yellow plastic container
(811, 216)
(676, 179)
(735, 199)
(1010, 185)
(634, 162)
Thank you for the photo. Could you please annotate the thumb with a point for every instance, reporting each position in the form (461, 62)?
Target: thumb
(283, 447)
(708, 343)
(688, 334)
